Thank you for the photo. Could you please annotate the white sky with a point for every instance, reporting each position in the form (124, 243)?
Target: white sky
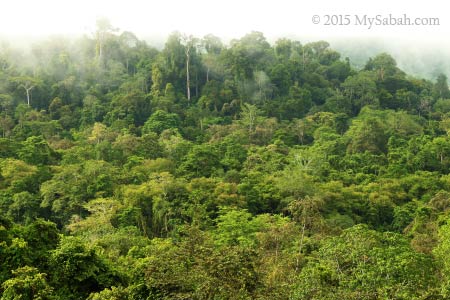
(227, 19)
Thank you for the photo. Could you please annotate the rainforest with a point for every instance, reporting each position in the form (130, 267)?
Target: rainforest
(211, 170)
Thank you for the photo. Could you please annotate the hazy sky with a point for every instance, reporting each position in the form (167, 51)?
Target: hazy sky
(228, 19)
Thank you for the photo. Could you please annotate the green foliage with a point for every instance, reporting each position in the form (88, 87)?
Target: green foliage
(27, 283)
(236, 228)
(78, 270)
(365, 263)
(361, 90)
(115, 293)
(201, 161)
(212, 171)
(160, 121)
(73, 185)
(367, 135)
(441, 253)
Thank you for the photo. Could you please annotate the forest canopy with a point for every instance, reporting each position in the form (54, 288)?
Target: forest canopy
(206, 170)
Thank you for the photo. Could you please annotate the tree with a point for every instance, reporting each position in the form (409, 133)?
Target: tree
(130, 107)
(200, 161)
(213, 47)
(306, 212)
(250, 117)
(35, 150)
(367, 134)
(27, 283)
(298, 103)
(73, 185)
(78, 271)
(157, 81)
(6, 124)
(160, 121)
(365, 264)
(361, 90)
(440, 89)
(173, 62)
(236, 228)
(24, 207)
(103, 33)
(383, 64)
(41, 237)
(99, 133)
(92, 111)
(114, 293)
(189, 45)
(17, 175)
(28, 84)
(6, 103)
(247, 55)
(441, 253)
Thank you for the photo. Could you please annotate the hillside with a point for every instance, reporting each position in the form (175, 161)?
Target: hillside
(206, 170)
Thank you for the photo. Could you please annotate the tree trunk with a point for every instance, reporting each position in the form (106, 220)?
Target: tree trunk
(28, 96)
(187, 75)
(28, 91)
(303, 59)
(196, 85)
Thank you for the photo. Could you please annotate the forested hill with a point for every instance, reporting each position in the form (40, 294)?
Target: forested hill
(426, 59)
(212, 171)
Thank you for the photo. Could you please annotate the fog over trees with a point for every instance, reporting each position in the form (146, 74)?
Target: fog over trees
(211, 169)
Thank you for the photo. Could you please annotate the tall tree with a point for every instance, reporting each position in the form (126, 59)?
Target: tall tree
(28, 83)
(189, 46)
(103, 32)
(440, 89)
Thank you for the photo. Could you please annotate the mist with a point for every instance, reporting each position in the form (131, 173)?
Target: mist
(422, 60)
(419, 50)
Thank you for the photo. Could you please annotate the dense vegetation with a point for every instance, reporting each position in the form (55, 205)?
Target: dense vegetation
(211, 171)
